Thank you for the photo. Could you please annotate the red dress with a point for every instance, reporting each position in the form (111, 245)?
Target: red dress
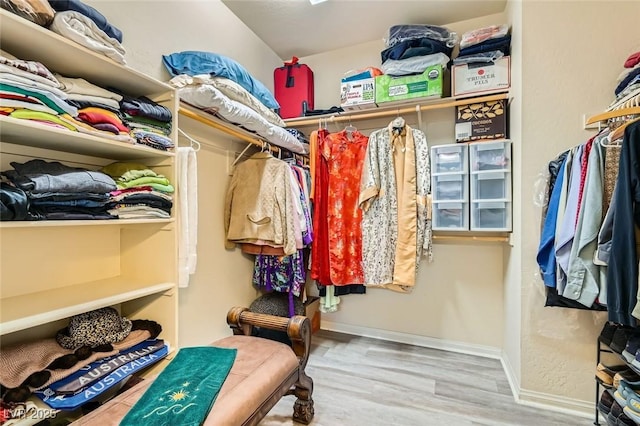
(344, 157)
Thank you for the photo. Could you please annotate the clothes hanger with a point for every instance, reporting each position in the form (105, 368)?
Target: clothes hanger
(194, 143)
(613, 114)
(350, 129)
(398, 123)
(619, 132)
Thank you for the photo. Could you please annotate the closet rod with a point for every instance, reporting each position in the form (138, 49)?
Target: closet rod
(228, 130)
(612, 114)
(357, 115)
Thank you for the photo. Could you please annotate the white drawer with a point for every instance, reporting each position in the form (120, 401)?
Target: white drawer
(490, 156)
(450, 216)
(449, 158)
(491, 216)
(491, 186)
(452, 187)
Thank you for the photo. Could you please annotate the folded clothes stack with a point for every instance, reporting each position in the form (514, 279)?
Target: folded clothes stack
(486, 44)
(41, 190)
(141, 193)
(627, 91)
(411, 49)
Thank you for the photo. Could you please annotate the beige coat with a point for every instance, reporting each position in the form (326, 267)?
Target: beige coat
(259, 207)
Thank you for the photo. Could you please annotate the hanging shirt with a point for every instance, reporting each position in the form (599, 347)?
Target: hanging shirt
(584, 277)
(345, 156)
(396, 222)
(567, 230)
(622, 274)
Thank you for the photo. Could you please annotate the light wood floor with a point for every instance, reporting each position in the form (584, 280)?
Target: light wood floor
(360, 381)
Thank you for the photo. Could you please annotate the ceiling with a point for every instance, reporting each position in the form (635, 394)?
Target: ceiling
(296, 27)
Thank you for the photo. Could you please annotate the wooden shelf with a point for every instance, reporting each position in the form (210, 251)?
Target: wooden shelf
(29, 41)
(469, 237)
(58, 223)
(395, 109)
(29, 133)
(32, 309)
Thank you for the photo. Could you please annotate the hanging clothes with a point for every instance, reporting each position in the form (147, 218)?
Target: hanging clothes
(622, 273)
(320, 269)
(260, 205)
(394, 197)
(585, 280)
(344, 156)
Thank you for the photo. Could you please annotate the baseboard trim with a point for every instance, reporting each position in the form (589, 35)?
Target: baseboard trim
(414, 339)
(560, 404)
(512, 377)
(546, 401)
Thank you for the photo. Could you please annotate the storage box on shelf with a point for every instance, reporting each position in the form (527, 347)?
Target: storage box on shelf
(52, 270)
(490, 168)
(429, 83)
(479, 78)
(358, 94)
(481, 121)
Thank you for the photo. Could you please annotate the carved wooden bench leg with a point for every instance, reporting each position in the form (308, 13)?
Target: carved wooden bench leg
(303, 408)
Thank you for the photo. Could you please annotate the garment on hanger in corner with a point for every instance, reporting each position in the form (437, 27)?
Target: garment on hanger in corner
(394, 197)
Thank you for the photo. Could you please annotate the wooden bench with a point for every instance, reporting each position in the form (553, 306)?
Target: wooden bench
(264, 371)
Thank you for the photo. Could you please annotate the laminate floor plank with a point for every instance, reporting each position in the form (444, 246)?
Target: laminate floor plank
(361, 381)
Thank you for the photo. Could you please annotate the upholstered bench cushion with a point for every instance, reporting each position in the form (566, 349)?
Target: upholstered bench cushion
(260, 368)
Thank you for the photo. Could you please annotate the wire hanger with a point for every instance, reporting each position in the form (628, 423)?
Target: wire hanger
(194, 143)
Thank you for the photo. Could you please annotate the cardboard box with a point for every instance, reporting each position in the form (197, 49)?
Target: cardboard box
(312, 311)
(480, 78)
(358, 94)
(427, 84)
(481, 121)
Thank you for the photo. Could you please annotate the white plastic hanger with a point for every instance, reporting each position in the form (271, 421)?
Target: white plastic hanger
(350, 129)
(194, 143)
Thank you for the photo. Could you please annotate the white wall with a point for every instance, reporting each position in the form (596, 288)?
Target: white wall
(512, 289)
(155, 28)
(151, 29)
(572, 55)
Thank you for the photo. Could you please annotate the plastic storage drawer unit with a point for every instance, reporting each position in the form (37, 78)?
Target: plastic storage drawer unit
(491, 186)
(452, 187)
(490, 156)
(491, 216)
(450, 216)
(449, 158)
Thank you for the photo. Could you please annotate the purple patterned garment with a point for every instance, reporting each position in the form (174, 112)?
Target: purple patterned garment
(284, 274)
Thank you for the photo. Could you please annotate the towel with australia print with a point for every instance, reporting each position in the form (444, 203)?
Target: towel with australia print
(62, 401)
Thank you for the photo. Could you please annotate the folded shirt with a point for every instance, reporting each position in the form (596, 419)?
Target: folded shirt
(502, 44)
(415, 47)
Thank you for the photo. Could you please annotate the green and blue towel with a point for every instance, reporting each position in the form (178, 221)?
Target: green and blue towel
(184, 392)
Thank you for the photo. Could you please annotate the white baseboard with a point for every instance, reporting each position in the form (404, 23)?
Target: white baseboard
(414, 339)
(512, 377)
(560, 404)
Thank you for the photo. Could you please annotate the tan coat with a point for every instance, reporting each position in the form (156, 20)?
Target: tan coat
(259, 206)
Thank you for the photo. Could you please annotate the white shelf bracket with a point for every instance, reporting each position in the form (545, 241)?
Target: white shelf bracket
(241, 154)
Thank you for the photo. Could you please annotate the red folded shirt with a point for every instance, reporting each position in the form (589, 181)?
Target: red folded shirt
(632, 60)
